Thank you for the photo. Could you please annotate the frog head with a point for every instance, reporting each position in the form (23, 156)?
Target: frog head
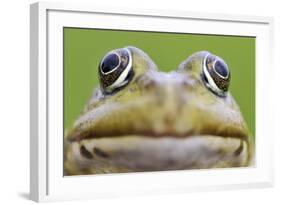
(142, 119)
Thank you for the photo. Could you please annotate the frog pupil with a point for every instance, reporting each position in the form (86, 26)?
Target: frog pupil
(110, 62)
(221, 68)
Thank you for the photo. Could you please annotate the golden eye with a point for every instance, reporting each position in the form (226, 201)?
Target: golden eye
(115, 70)
(216, 74)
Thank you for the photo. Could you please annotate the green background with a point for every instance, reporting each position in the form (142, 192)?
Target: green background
(84, 48)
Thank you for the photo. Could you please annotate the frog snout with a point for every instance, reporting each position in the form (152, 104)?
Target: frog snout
(167, 88)
(171, 103)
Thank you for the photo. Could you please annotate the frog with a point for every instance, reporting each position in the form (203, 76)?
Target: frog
(141, 119)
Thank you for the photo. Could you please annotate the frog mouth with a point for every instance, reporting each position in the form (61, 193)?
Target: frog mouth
(129, 146)
(134, 153)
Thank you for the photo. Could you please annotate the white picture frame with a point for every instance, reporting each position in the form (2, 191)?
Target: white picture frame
(47, 182)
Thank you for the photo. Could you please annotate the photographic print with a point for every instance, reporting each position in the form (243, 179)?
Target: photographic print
(140, 101)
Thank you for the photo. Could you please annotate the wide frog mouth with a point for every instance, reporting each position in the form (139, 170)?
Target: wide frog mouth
(133, 153)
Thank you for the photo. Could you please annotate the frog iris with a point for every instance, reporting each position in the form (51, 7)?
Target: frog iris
(115, 70)
(216, 75)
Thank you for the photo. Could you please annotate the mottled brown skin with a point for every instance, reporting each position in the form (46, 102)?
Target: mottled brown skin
(158, 121)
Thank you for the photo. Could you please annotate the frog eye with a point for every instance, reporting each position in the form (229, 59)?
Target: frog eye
(115, 70)
(216, 74)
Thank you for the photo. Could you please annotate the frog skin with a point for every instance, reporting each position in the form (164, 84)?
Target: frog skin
(142, 119)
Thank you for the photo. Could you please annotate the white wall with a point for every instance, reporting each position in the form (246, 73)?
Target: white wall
(14, 101)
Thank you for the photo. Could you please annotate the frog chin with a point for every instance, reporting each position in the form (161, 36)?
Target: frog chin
(140, 153)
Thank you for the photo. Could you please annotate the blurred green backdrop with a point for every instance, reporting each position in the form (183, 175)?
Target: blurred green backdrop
(84, 48)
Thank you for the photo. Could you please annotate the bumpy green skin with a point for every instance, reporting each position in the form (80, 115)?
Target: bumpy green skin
(159, 121)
